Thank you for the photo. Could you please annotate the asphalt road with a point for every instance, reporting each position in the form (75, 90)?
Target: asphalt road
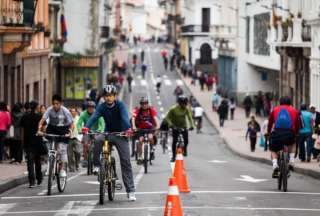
(221, 183)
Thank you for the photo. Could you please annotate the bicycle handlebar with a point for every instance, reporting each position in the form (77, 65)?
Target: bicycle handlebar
(122, 134)
(51, 135)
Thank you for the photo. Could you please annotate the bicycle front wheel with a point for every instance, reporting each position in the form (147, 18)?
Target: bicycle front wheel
(280, 175)
(89, 162)
(51, 162)
(61, 182)
(145, 158)
(285, 171)
(102, 177)
(111, 180)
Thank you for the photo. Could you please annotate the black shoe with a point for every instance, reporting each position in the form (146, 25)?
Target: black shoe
(291, 167)
(39, 182)
(275, 173)
(308, 159)
(185, 152)
(152, 156)
(172, 160)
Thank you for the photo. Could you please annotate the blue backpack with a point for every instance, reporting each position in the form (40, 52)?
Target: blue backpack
(283, 121)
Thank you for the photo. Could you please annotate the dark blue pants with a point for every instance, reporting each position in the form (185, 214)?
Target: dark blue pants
(2, 137)
(305, 137)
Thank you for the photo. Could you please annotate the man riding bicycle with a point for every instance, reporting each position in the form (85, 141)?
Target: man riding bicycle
(283, 128)
(60, 122)
(179, 117)
(145, 117)
(97, 126)
(116, 119)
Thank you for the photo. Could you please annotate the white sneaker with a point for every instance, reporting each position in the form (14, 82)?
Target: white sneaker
(62, 174)
(132, 196)
(96, 170)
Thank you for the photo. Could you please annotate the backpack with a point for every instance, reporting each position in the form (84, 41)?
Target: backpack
(140, 119)
(283, 120)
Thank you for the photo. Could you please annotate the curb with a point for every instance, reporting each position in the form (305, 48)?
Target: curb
(303, 171)
(13, 182)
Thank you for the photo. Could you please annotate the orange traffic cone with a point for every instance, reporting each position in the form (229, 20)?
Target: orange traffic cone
(180, 173)
(173, 203)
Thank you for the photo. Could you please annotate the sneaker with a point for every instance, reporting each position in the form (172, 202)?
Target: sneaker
(275, 173)
(96, 170)
(32, 185)
(62, 174)
(39, 182)
(131, 196)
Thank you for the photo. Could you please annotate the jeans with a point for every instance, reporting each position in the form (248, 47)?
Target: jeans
(232, 113)
(305, 137)
(2, 137)
(34, 166)
(123, 149)
(73, 154)
(175, 135)
(221, 120)
(253, 142)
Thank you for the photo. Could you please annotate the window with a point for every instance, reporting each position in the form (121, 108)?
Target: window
(248, 34)
(205, 19)
(36, 91)
(261, 47)
(12, 85)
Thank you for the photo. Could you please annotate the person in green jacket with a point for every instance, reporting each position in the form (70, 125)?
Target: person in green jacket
(97, 127)
(180, 117)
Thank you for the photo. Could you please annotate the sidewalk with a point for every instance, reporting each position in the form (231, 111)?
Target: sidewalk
(12, 175)
(234, 132)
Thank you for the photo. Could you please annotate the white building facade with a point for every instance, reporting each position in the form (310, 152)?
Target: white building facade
(258, 62)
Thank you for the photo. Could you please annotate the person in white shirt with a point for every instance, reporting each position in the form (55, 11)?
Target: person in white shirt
(232, 106)
(198, 113)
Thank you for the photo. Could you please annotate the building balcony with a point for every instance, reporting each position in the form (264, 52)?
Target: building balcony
(297, 34)
(215, 31)
(16, 22)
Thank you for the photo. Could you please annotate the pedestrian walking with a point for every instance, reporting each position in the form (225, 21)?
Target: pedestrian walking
(129, 80)
(247, 103)
(143, 70)
(223, 112)
(33, 145)
(194, 77)
(216, 99)
(316, 129)
(202, 81)
(16, 150)
(178, 91)
(305, 134)
(232, 105)
(142, 55)
(264, 132)
(252, 132)
(210, 81)
(73, 147)
(5, 122)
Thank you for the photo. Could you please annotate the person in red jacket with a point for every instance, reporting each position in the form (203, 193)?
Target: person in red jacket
(5, 122)
(283, 127)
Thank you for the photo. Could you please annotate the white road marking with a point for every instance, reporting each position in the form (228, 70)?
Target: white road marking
(153, 79)
(165, 76)
(167, 82)
(179, 82)
(164, 192)
(158, 97)
(133, 83)
(66, 209)
(92, 182)
(138, 177)
(217, 161)
(159, 103)
(5, 207)
(241, 198)
(82, 208)
(161, 109)
(139, 76)
(69, 179)
(153, 208)
(143, 82)
(162, 116)
(250, 179)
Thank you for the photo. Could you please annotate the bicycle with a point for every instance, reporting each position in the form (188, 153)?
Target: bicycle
(146, 149)
(107, 173)
(180, 141)
(88, 154)
(54, 165)
(284, 173)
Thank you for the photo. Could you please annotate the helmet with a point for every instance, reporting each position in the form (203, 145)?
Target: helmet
(144, 100)
(110, 89)
(91, 104)
(182, 100)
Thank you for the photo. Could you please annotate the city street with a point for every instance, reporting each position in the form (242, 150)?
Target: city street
(221, 183)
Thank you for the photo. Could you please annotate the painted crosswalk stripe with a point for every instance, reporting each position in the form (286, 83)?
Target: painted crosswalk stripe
(83, 208)
(5, 207)
(133, 83)
(143, 83)
(179, 82)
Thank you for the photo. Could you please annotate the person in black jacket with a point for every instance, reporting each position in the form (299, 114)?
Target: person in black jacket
(252, 132)
(247, 103)
(223, 111)
(33, 145)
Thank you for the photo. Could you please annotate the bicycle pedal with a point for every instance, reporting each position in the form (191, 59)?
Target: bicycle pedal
(118, 186)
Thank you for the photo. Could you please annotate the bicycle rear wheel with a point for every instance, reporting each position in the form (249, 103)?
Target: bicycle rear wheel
(90, 162)
(285, 170)
(102, 177)
(280, 175)
(111, 180)
(61, 182)
(145, 158)
(50, 174)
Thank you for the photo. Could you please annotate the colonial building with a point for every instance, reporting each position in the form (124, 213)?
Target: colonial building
(258, 61)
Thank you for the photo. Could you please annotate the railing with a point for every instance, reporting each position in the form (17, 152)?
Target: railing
(195, 29)
(16, 12)
(221, 31)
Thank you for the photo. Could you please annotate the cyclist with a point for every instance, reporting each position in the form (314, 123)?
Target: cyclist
(145, 117)
(283, 127)
(97, 126)
(158, 83)
(116, 119)
(60, 122)
(198, 113)
(180, 116)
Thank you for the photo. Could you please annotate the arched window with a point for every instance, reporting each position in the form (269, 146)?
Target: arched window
(205, 54)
